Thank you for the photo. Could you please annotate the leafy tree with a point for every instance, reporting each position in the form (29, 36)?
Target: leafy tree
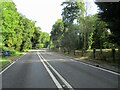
(57, 32)
(109, 12)
(45, 39)
(70, 40)
(86, 25)
(0, 22)
(27, 34)
(36, 38)
(100, 35)
(72, 11)
(19, 32)
(9, 23)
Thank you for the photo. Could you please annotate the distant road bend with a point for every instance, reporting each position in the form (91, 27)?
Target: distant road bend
(45, 69)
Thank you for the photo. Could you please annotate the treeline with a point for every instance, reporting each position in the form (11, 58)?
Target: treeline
(79, 31)
(19, 32)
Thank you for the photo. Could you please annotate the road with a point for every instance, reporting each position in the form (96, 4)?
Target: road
(44, 69)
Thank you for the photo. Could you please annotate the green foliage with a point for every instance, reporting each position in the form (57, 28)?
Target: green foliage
(109, 12)
(100, 35)
(72, 10)
(86, 25)
(36, 38)
(9, 22)
(57, 32)
(18, 32)
(70, 39)
(45, 39)
(88, 32)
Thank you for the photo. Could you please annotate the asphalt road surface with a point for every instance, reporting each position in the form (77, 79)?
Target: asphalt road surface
(45, 69)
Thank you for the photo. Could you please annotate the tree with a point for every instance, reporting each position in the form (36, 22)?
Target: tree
(109, 12)
(100, 35)
(45, 39)
(27, 34)
(57, 33)
(70, 40)
(72, 10)
(86, 25)
(9, 23)
(18, 32)
(36, 38)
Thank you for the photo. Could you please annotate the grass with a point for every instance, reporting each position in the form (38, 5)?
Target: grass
(106, 55)
(105, 59)
(6, 60)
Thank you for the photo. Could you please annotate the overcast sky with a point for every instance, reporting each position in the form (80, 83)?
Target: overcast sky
(45, 12)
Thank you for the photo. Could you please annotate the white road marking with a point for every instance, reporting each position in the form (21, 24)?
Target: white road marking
(58, 74)
(50, 73)
(11, 64)
(7, 67)
(96, 67)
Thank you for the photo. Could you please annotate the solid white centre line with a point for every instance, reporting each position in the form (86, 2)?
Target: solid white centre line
(50, 73)
(58, 74)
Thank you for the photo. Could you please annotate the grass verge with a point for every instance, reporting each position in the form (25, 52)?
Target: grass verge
(104, 60)
(6, 60)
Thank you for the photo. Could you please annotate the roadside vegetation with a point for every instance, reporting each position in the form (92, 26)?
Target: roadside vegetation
(86, 36)
(77, 33)
(18, 34)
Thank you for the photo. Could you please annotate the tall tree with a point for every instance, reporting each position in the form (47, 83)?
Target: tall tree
(100, 35)
(18, 32)
(45, 39)
(70, 40)
(57, 32)
(72, 10)
(109, 12)
(9, 22)
(36, 38)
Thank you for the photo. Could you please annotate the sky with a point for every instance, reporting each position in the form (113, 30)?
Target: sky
(45, 12)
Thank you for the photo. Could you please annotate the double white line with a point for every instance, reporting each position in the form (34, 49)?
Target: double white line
(59, 86)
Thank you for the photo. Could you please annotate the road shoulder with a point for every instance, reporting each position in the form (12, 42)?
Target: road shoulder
(97, 63)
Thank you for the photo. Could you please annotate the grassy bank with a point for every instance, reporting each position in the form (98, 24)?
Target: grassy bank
(105, 56)
(104, 60)
(6, 60)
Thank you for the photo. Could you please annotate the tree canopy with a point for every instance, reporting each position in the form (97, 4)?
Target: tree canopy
(86, 33)
(19, 32)
(109, 12)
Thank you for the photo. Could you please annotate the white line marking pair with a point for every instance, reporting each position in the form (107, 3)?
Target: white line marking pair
(52, 76)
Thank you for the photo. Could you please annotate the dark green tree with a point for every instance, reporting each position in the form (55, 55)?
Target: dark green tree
(109, 12)
(100, 35)
(57, 33)
(70, 41)
(36, 38)
(72, 11)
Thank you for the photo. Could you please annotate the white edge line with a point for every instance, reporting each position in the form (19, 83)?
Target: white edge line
(7, 68)
(11, 64)
(96, 67)
(65, 82)
(50, 73)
